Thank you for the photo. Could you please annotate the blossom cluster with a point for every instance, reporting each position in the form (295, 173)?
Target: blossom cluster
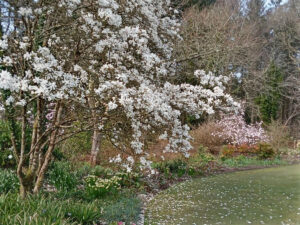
(236, 131)
(120, 50)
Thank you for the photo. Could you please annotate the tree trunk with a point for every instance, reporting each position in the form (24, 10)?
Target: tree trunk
(44, 167)
(26, 183)
(96, 141)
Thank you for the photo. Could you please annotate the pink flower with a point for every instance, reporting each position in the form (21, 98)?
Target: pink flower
(236, 131)
(120, 223)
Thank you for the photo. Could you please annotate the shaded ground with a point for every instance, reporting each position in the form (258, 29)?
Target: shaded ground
(264, 196)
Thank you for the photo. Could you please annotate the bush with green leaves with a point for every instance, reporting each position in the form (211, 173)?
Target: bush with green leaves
(5, 142)
(203, 157)
(6, 154)
(82, 213)
(243, 161)
(62, 176)
(9, 181)
(265, 151)
(103, 172)
(98, 187)
(131, 179)
(177, 166)
(7, 159)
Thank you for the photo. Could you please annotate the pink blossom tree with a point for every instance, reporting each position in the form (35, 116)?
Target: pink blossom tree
(236, 131)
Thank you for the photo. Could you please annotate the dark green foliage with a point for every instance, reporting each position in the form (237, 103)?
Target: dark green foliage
(77, 145)
(60, 175)
(82, 214)
(100, 171)
(58, 155)
(5, 142)
(184, 4)
(6, 153)
(126, 210)
(4, 136)
(8, 181)
(36, 210)
(170, 167)
(243, 161)
(129, 179)
(269, 100)
(265, 151)
(7, 159)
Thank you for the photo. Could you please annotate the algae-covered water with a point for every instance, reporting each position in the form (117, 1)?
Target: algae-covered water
(264, 196)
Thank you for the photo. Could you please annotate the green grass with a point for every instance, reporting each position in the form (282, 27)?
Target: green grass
(242, 161)
(265, 196)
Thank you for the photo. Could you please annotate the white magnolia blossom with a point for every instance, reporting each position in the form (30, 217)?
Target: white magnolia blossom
(123, 48)
(25, 11)
(3, 43)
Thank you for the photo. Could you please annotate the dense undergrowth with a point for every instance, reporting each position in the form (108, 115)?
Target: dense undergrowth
(68, 199)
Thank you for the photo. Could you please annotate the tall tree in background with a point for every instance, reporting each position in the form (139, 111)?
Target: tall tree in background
(284, 45)
(269, 101)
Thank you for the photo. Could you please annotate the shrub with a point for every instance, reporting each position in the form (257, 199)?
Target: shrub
(236, 131)
(82, 214)
(176, 166)
(5, 142)
(228, 151)
(6, 155)
(60, 175)
(129, 179)
(242, 161)
(58, 155)
(98, 187)
(100, 171)
(9, 181)
(265, 151)
(202, 158)
(279, 135)
(77, 145)
(7, 159)
(203, 136)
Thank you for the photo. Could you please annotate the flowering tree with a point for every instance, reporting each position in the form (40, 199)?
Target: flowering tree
(110, 59)
(236, 131)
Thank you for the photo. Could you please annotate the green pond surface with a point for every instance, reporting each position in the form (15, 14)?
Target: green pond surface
(263, 196)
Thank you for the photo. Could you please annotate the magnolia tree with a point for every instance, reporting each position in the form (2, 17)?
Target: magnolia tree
(236, 131)
(105, 66)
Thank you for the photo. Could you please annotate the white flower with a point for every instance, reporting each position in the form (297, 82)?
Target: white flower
(25, 11)
(117, 159)
(3, 43)
(10, 157)
(112, 106)
(130, 160)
